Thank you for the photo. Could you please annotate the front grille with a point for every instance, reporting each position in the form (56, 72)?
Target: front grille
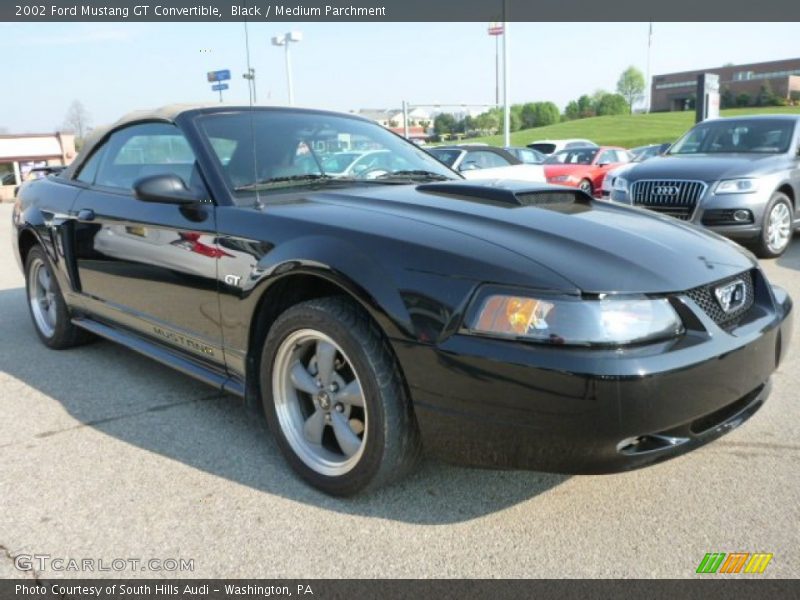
(676, 198)
(705, 298)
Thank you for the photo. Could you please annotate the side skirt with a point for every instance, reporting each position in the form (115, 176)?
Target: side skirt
(164, 355)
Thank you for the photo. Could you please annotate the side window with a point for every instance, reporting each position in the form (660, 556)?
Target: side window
(144, 150)
(622, 156)
(486, 160)
(609, 156)
(88, 171)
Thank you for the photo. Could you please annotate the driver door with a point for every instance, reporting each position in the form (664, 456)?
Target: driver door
(147, 266)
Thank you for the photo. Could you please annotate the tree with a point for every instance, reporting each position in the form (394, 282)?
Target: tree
(612, 104)
(488, 121)
(585, 107)
(444, 123)
(77, 121)
(572, 110)
(766, 97)
(631, 85)
(546, 114)
(743, 100)
(727, 99)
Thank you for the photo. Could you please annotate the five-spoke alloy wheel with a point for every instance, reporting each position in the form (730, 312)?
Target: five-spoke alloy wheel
(335, 399)
(319, 402)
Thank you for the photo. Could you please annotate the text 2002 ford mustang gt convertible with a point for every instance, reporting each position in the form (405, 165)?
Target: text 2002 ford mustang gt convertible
(513, 324)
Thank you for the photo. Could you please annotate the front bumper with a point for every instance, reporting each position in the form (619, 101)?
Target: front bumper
(506, 404)
(711, 203)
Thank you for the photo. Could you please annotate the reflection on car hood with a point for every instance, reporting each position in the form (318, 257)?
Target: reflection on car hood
(705, 167)
(597, 246)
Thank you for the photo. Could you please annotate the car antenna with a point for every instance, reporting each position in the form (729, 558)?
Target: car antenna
(251, 83)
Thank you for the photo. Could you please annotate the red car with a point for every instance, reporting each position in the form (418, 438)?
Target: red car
(584, 168)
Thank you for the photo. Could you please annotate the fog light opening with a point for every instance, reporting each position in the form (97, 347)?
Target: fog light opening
(742, 216)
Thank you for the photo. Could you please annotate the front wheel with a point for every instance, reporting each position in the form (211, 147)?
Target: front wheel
(585, 186)
(777, 227)
(334, 398)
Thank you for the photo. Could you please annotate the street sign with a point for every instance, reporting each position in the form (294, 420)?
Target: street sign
(218, 87)
(222, 75)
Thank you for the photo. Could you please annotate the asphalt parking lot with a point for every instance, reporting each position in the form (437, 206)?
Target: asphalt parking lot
(105, 454)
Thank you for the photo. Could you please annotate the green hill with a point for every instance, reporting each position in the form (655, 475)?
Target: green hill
(624, 130)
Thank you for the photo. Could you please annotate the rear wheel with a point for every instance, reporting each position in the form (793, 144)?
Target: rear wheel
(334, 398)
(49, 311)
(777, 227)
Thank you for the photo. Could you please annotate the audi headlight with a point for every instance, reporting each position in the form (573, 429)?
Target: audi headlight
(561, 178)
(736, 186)
(620, 184)
(609, 320)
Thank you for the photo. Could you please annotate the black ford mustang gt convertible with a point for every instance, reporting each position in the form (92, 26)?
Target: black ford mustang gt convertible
(372, 303)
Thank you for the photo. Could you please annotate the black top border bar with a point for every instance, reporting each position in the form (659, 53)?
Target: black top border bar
(399, 10)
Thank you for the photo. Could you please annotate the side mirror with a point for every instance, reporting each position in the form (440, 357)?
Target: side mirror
(164, 189)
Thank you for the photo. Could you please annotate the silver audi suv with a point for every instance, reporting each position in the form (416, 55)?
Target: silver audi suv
(739, 177)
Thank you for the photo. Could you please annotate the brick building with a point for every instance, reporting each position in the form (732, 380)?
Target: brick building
(675, 91)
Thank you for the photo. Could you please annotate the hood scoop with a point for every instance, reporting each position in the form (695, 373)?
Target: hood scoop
(512, 194)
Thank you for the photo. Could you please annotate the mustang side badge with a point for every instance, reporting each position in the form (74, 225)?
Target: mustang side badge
(731, 296)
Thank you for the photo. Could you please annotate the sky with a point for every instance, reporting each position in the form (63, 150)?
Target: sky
(113, 68)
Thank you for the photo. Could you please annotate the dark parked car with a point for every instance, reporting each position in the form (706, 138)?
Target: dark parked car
(511, 324)
(737, 176)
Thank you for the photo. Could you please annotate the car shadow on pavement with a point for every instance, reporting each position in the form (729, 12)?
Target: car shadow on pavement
(136, 400)
(791, 258)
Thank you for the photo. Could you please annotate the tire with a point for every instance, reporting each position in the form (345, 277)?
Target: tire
(586, 187)
(777, 227)
(337, 440)
(49, 311)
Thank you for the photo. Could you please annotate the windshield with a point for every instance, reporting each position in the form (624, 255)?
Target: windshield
(264, 150)
(543, 147)
(759, 136)
(578, 156)
(448, 157)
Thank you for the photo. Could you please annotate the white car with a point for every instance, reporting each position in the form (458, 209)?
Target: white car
(553, 146)
(487, 162)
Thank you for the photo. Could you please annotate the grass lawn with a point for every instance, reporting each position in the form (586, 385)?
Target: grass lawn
(625, 130)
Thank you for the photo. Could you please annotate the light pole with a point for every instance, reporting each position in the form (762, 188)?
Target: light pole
(506, 85)
(284, 40)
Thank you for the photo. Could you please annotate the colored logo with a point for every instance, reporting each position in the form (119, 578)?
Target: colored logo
(733, 563)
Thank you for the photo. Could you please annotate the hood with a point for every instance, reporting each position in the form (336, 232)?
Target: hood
(704, 167)
(597, 246)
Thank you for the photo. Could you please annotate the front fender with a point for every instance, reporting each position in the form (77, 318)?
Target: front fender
(342, 263)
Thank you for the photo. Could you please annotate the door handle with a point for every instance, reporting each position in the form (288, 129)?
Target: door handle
(86, 214)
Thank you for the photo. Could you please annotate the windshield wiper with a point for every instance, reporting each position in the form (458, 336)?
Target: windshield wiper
(413, 175)
(289, 179)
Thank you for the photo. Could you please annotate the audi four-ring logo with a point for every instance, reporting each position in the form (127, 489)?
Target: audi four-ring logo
(666, 190)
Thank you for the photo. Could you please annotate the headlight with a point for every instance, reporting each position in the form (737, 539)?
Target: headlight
(620, 184)
(561, 178)
(574, 321)
(736, 186)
